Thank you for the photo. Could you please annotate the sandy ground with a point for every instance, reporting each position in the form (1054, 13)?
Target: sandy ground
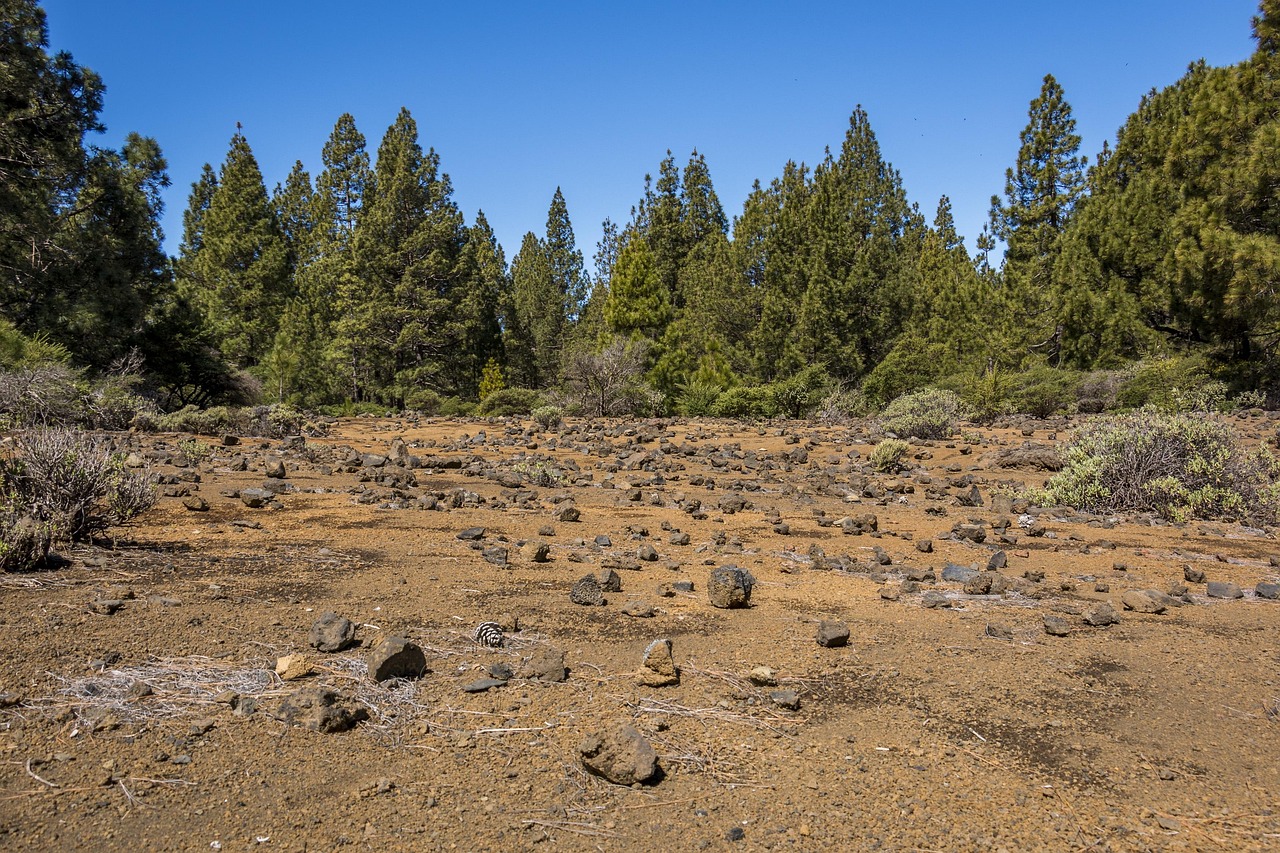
(157, 726)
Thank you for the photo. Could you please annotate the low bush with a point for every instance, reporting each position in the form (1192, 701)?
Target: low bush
(746, 402)
(424, 401)
(71, 483)
(843, 405)
(456, 407)
(1177, 466)
(929, 413)
(548, 417)
(509, 401)
(888, 455)
(697, 399)
(1044, 391)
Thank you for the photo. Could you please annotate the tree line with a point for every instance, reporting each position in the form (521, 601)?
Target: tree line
(365, 284)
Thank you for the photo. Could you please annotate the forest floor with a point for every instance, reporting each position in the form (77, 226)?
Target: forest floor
(140, 707)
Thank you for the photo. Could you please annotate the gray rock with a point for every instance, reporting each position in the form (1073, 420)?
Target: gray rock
(195, 503)
(658, 665)
(973, 532)
(396, 657)
(275, 469)
(891, 592)
(480, 685)
(1101, 615)
(332, 633)
(998, 561)
(933, 598)
(1192, 575)
(472, 534)
(541, 552)
(919, 574)
(609, 580)
(255, 498)
(730, 586)
(1223, 589)
(647, 553)
(639, 610)
(496, 554)
(1146, 601)
(619, 754)
(1056, 626)
(833, 634)
(788, 700)
(1266, 589)
(587, 592)
(567, 512)
(679, 538)
(957, 574)
(924, 546)
(546, 664)
(321, 709)
(973, 497)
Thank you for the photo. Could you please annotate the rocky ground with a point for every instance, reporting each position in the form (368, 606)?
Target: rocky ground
(1012, 679)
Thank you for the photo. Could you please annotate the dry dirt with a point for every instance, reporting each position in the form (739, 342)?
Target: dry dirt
(958, 728)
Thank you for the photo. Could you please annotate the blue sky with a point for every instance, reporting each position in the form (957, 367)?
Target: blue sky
(519, 98)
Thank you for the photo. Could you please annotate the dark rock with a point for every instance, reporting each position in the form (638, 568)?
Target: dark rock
(972, 498)
(396, 657)
(647, 553)
(788, 700)
(332, 633)
(496, 554)
(255, 498)
(678, 538)
(1101, 615)
(1266, 589)
(919, 574)
(587, 592)
(604, 541)
(275, 469)
(1056, 626)
(472, 534)
(735, 833)
(1223, 589)
(833, 635)
(609, 580)
(1192, 575)
(957, 574)
(482, 684)
(973, 532)
(730, 586)
(567, 512)
(546, 664)
(998, 561)
(195, 503)
(924, 546)
(933, 599)
(106, 606)
(858, 525)
(322, 709)
(619, 754)
(1146, 601)
(541, 552)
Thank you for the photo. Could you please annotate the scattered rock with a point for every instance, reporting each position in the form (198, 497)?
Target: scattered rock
(891, 592)
(195, 503)
(1192, 575)
(924, 546)
(322, 709)
(587, 592)
(541, 552)
(619, 754)
(1223, 589)
(567, 512)
(762, 676)
(729, 587)
(609, 580)
(546, 664)
(1266, 589)
(1056, 626)
(332, 633)
(275, 469)
(472, 534)
(1146, 601)
(658, 666)
(639, 609)
(396, 657)
(1101, 615)
(255, 498)
(933, 599)
(293, 667)
(788, 700)
(496, 554)
(980, 584)
(832, 634)
(483, 684)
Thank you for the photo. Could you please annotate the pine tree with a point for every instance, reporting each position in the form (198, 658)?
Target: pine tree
(239, 275)
(1040, 197)
(703, 215)
(567, 271)
(638, 304)
(294, 203)
(486, 289)
(535, 330)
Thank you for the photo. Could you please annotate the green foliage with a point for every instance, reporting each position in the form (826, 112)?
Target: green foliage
(639, 302)
(888, 455)
(491, 379)
(610, 382)
(1176, 466)
(509, 401)
(456, 407)
(987, 393)
(698, 398)
(1175, 384)
(424, 401)
(1043, 391)
(930, 414)
(548, 417)
(843, 405)
(754, 402)
(24, 540)
(194, 451)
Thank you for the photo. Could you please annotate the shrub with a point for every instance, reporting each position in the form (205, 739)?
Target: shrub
(1045, 391)
(698, 398)
(610, 383)
(24, 541)
(491, 379)
(194, 452)
(1174, 465)
(1172, 385)
(888, 454)
(843, 405)
(796, 396)
(72, 483)
(423, 400)
(987, 393)
(751, 402)
(509, 401)
(456, 407)
(548, 417)
(929, 413)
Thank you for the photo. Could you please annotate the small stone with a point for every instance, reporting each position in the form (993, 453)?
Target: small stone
(541, 552)
(567, 512)
(788, 700)
(1101, 615)
(255, 498)
(619, 754)
(472, 534)
(1192, 575)
(647, 553)
(833, 634)
(1223, 589)
(658, 666)
(998, 561)
(396, 657)
(546, 664)
(762, 676)
(1266, 589)
(195, 503)
(933, 599)
(609, 580)
(293, 667)
(957, 574)
(639, 610)
(924, 546)
(979, 584)
(1056, 626)
(1145, 601)
(275, 469)
(891, 592)
(332, 633)
(497, 555)
(321, 709)
(735, 833)
(587, 592)
(106, 606)
(730, 587)
(483, 684)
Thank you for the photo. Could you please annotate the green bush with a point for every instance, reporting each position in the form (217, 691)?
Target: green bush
(1179, 384)
(1044, 391)
(888, 455)
(697, 398)
(747, 402)
(424, 401)
(509, 401)
(24, 540)
(1177, 466)
(930, 413)
(456, 407)
(988, 394)
(843, 405)
(548, 417)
